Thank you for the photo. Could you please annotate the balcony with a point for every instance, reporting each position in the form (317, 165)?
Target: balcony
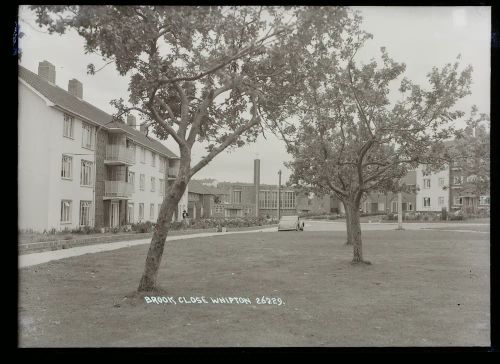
(118, 190)
(117, 154)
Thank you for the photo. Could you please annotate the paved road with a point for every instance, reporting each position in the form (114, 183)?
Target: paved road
(321, 225)
(27, 260)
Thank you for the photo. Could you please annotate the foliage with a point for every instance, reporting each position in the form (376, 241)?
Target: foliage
(352, 138)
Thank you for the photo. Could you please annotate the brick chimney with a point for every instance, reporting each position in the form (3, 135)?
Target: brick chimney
(143, 128)
(131, 121)
(256, 182)
(75, 88)
(47, 71)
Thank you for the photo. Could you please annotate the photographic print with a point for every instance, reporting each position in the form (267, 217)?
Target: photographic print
(253, 176)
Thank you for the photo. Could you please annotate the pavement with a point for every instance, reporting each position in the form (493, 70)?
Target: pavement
(26, 260)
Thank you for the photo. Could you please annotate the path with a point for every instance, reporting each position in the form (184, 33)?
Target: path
(27, 260)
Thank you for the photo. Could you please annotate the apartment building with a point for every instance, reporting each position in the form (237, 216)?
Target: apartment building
(433, 192)
(79, 167)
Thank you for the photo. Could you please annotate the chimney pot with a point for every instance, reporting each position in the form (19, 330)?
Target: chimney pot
(47, 71)
(131, 121)
(75, 88)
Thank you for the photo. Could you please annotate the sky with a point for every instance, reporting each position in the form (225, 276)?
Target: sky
(420, 37)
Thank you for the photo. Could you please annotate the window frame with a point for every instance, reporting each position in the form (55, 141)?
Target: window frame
(90, 174)
(70, 203)
(89, 211)
(67, 117)
(130, 213)
(70, 158)
(90, 128)
(142, 182)
(141, 211)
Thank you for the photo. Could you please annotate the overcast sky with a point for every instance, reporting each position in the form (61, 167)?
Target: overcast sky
(421, 37)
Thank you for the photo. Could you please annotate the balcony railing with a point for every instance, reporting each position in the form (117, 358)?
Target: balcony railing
(118, 189)
(119, 154)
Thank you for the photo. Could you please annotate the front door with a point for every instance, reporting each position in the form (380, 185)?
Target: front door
(115, 214)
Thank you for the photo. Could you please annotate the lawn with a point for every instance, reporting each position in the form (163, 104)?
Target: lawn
(424, 288)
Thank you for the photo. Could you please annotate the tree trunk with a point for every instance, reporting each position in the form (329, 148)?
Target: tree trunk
(160, 232)
(348, 224)
(355, 228)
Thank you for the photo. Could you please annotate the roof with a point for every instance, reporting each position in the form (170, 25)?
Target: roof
(195, 186)
(67, 101)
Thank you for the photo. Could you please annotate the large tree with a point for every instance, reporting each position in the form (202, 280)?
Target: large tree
(470, 150)
(358, 133)
(210, 75)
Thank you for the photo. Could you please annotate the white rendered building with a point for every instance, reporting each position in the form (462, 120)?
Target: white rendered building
(78, 167)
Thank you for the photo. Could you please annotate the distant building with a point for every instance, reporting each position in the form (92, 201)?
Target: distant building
(254, 199)
(310, 203)
(387, 202)
(202, 200)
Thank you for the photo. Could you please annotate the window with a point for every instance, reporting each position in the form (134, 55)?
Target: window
(288, 200)
(85, 207)
(87, 136)
(219, 208)
(441, 182)
(457, 180)
(131, 149)
(162, 164)
(484, 200)
(152, 211)
(268, 199)
(130, 213)
(236, 196)
(441, 201)
(162, 187)
(67, 167)
(153, 159)
(143, 155)
(394, 206)
(427, 183)
(68, 126)
(159, 208)
(86, 173)
(142, 182)
(427, 202)
(153, 184)
(141, 211)
(66, 211)
(131, 179)
(410, 207)
(457, 200)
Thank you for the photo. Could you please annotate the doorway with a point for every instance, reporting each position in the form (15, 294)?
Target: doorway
(115, 214)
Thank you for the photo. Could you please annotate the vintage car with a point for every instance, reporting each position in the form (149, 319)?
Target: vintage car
(290, 223)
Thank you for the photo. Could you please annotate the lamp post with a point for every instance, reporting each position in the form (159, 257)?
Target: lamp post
(400, 211)
(279, 195)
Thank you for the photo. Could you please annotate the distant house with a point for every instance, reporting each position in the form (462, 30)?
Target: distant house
(310, 203)
(202, 200)
(386, 202)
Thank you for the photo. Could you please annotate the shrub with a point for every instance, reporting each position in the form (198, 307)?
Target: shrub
(143, 227)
